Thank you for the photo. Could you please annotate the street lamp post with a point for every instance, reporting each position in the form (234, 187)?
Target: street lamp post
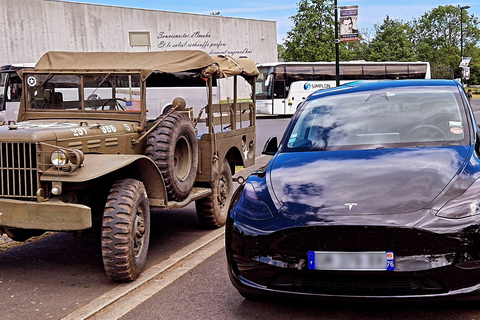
(337, 58)
(461, 36)
(461, 29)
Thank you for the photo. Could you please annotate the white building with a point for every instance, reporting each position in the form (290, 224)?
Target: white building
(32, 27)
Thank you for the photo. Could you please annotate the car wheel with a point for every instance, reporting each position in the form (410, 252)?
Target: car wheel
(125, 230)
(212, 210)
(173, 146)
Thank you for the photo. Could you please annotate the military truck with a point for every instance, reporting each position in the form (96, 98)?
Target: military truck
(84, 151)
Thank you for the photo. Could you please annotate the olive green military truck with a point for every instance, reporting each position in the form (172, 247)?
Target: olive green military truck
(84, 150)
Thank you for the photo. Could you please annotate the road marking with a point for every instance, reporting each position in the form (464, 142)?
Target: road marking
(126, 296)
(122, 299)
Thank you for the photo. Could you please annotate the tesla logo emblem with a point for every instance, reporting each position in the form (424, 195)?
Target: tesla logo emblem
(350, 205)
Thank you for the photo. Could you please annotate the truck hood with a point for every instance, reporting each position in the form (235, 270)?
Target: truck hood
(383, 181)
(58, 130)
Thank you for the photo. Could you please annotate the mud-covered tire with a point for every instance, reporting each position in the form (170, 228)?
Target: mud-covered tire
(173, 146)
(21, 235)
(212, 210)
(125, 230)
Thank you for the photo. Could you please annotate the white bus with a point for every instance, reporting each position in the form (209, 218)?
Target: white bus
(11, 91)
(282, 86)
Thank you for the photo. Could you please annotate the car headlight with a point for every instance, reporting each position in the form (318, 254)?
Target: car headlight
(463, 206)
(59, 158)
(250, 206)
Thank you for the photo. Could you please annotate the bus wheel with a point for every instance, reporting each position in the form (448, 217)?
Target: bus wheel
(212, 210)
(173, 146)
(125, 230)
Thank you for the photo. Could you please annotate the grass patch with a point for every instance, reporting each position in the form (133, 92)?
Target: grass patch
(7, 243)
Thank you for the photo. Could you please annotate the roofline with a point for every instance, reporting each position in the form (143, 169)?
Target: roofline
(156, 10)
(274, 64)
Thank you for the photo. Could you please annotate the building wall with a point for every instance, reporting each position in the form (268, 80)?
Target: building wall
(32, 27)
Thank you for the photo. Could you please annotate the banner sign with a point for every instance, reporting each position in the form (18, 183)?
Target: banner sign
(465, 62)
(466, 72)
(349, 23)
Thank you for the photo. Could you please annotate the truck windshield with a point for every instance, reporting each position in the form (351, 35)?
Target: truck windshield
(94, 92)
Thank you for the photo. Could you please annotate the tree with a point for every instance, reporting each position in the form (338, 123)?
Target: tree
(391, 42)
(312, 37)
(436, 36)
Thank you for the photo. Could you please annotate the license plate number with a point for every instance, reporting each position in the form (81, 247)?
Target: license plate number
(357, 261)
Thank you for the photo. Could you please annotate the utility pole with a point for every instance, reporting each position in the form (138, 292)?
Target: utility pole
(337, 41)
(461, 34)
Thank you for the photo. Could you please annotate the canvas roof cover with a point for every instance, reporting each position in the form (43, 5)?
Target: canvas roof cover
(147, 62)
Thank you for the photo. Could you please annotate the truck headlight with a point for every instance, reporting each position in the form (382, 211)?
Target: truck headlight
(59, 158)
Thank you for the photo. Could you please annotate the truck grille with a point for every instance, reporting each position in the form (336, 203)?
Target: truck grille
(18, 170)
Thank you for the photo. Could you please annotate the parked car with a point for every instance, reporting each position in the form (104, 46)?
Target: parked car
(373, 192)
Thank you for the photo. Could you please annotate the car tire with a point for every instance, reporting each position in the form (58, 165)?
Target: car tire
(212, 210)
(125, 230)
(173, 146)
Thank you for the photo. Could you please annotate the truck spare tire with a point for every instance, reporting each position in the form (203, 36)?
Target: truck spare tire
(173, 146)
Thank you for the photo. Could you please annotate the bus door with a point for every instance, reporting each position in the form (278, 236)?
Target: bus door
(279, 97)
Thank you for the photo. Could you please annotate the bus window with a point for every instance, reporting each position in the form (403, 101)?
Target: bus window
(299, 73)
(417, 71)
(3, 77)
(14, 88)
(279, 89)
(397, 71)
(325, 72)
(374, 72)
(180, 79)
(349, 72)
(280, 72)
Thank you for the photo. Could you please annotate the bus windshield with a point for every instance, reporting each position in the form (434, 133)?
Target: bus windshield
(263, 86)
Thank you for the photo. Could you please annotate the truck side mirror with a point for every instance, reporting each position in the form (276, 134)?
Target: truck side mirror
(271, 146)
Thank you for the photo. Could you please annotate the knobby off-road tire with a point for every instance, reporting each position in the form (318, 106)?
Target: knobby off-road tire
(173, 146)
(212, 210)
(125, 230)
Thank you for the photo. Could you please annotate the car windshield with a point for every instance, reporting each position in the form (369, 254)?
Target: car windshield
(392, 117)
(99, 92)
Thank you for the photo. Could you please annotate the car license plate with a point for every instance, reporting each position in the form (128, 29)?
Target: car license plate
(357, 261)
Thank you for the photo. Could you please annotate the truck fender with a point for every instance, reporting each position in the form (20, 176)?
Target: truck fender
(95, 166)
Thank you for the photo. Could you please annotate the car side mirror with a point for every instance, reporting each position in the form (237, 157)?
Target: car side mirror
(271, 146)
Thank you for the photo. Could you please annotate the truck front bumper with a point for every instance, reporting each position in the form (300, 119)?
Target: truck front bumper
(53, 215)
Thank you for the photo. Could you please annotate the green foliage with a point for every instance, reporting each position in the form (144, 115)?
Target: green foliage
(391, 42)
(433, 37)
(312, 37)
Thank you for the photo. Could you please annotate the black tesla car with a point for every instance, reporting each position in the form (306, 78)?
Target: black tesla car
(373, 192)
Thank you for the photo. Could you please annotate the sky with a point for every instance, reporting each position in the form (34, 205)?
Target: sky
(371, 12)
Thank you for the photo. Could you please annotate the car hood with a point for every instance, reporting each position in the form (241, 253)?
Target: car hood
(382, 181)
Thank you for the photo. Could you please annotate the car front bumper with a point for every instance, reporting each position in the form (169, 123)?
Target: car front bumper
(428, 265)
(53, 215)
